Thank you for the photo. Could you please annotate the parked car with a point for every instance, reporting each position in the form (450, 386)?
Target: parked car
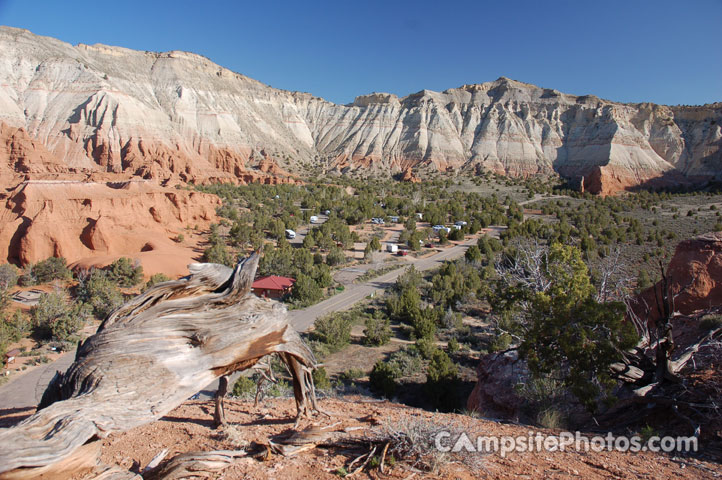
(290, 234)
(314, 219)
(377, 221)
(402, 253)
(460, 223)
(394, 219)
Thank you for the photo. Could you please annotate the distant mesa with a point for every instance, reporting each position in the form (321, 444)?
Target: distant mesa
(183, 118)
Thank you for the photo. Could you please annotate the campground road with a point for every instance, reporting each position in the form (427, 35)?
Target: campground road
(27, 390)
(302, 320)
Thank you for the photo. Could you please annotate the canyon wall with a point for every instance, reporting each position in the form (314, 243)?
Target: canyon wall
(177, 116)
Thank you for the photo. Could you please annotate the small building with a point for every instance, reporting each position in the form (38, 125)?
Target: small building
(392, 247)
(273, 286)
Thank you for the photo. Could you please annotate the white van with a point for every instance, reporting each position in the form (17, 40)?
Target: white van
(290, 234)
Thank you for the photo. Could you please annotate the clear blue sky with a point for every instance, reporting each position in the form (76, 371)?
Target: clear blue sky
(661, 51)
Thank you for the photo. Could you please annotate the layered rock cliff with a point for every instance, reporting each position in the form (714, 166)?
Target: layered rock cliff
(177, 115)
(94, 223)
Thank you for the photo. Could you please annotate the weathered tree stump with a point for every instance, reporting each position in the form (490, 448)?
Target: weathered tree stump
(219, 416)
(152, 354)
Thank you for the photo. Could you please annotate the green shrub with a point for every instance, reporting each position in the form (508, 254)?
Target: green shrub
(53, 268)
(279, 389)
(244, 387)
(333, 330)
(218, 253)
(306, 290)
(443, 239)
(441, 379)
(378, 329)
(125, 272)
(320, 379)
(99, 292)
(383, 378)
(424, 323)
(54, 317)
(14, 327)
(352, 374)
(335, 256)
(452, 346)
(8, 276)
(456, 235)
(156, 279)
(407, 361)
(375, 244)
(426, 347)
(500, 343)
(473, 254)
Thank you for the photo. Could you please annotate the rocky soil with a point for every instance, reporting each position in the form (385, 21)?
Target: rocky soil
(188, 428)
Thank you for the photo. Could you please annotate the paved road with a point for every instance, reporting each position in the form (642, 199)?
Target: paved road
(27, 390)
(302, 320)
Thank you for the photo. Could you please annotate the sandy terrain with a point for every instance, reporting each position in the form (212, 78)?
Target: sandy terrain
(188, 428)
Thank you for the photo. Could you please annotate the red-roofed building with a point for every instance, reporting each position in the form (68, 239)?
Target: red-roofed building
(273, 286)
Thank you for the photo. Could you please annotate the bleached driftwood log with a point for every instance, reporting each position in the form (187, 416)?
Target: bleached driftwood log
(152, 354)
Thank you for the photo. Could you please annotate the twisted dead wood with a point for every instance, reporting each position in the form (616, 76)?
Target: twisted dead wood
(152, 354)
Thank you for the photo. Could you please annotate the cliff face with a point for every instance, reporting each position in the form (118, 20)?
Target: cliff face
(97, 222)
(177, 115)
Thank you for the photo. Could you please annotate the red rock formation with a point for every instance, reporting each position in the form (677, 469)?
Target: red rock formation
(21, 154)
(408, 176)
(695, 276)
(494, 394)
(90, 222)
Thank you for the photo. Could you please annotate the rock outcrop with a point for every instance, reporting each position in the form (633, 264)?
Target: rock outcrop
(93, 223)
(695, 278)
(178, 116)
(495, 394)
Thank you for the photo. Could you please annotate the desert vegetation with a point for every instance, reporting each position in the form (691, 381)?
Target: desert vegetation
(548, 279)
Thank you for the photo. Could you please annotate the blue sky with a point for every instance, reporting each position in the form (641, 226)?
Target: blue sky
(661, 51)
